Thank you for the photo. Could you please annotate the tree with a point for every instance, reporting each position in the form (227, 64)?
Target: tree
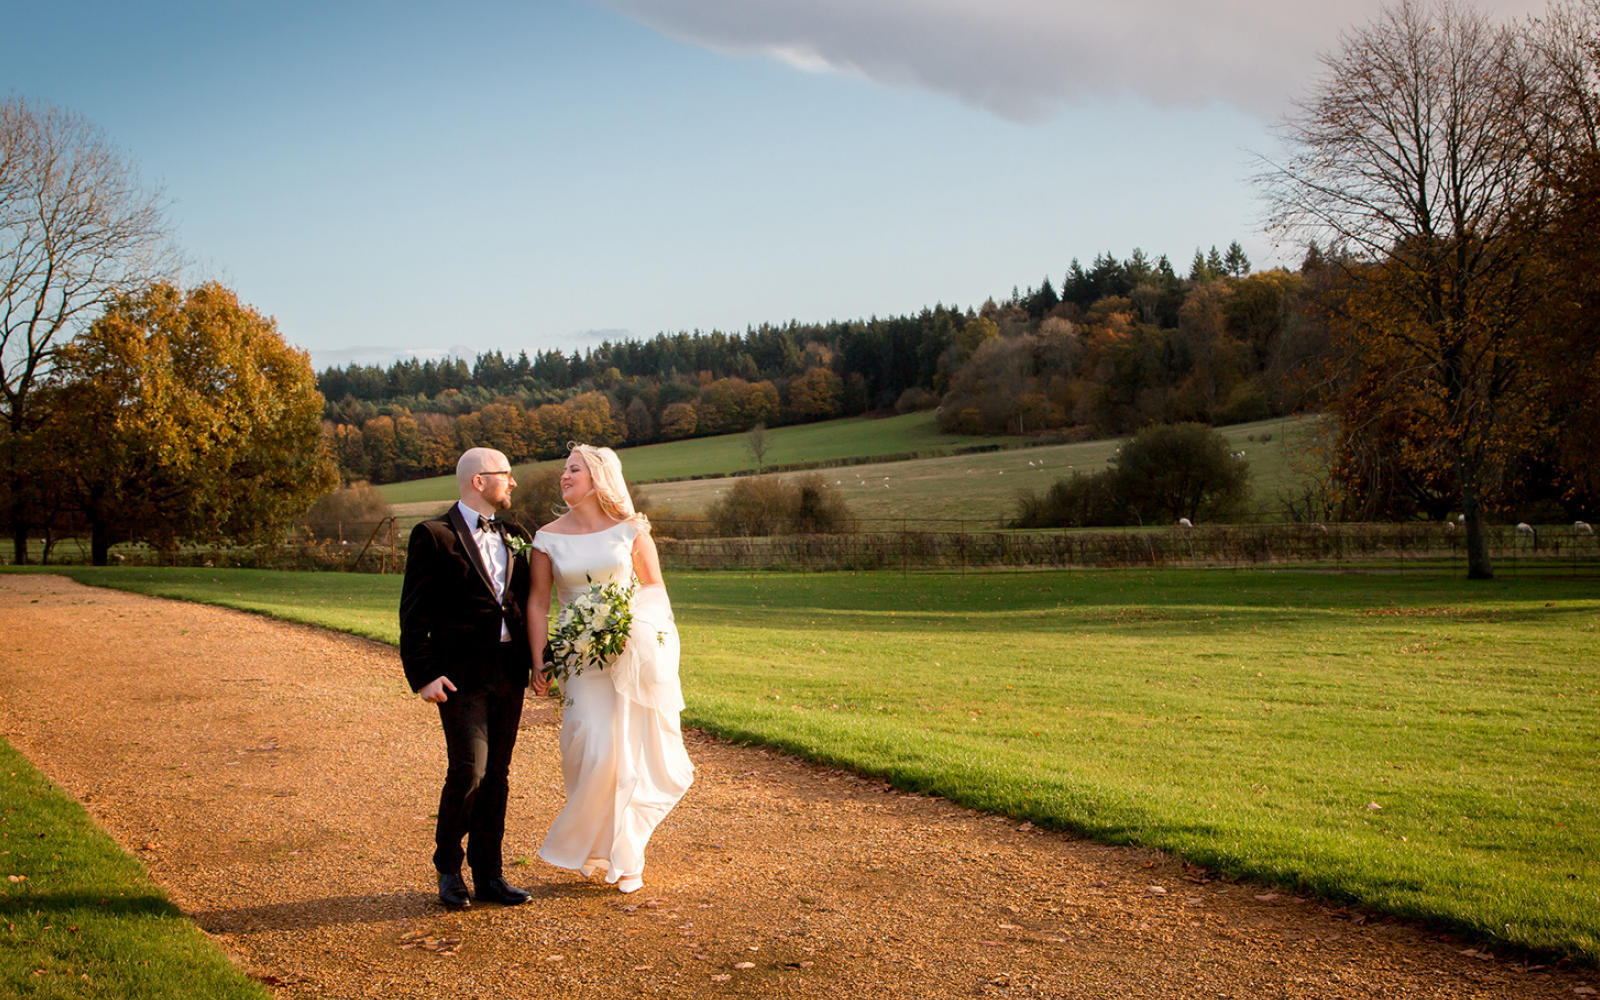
(1179, 470)
(1566, 126)
(641, 426)
(815, 394)
(757, 442)
(678, 420)
(1236, 263)
(1412, 160)
(185, 417)
(76, 228)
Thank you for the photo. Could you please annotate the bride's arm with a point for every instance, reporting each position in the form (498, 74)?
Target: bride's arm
(646, 561)
(539, 618)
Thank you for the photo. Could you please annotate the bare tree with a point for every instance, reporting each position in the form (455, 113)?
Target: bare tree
(1412, 159)
(756, 440)
(76, 228)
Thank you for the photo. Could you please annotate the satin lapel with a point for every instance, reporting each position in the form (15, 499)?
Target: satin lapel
(465, 535)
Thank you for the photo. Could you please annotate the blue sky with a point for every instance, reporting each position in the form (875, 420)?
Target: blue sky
(393, 178)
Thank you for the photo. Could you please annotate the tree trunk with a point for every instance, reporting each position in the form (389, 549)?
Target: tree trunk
(19, 540)
(1478, 567)
(99, 542)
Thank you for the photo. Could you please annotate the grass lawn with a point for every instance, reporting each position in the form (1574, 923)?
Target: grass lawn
(1419, 744)
(81, 918)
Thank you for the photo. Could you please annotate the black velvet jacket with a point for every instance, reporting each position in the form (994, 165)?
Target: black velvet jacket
(449, 621)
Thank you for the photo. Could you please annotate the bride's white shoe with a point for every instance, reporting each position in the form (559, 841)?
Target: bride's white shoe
(630, 883)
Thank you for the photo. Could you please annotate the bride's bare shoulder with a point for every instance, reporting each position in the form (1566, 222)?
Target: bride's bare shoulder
(560, 526)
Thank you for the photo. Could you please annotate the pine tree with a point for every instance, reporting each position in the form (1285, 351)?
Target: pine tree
(1236, 263)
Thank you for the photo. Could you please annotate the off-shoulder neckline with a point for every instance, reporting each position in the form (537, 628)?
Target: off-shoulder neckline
(579, 534)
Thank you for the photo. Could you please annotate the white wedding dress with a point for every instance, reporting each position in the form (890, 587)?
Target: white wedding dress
(623, 762)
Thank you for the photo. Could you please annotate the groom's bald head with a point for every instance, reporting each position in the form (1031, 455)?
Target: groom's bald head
(478, 462)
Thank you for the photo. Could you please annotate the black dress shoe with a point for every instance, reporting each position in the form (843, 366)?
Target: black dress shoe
(498, 890)
(453, 891)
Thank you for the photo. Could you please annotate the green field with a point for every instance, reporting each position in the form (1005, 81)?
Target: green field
(80, 918)
(978, 490)
(833, 440)
(1419, 744)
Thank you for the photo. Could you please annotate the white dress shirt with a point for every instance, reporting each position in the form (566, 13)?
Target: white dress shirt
(492, 547)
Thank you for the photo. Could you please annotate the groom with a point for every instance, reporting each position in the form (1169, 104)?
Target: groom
(464, 646)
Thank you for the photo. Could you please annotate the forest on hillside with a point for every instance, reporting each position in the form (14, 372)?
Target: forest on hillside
(1122, 344)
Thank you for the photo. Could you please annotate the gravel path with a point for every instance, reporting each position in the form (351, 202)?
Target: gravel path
(279, 781)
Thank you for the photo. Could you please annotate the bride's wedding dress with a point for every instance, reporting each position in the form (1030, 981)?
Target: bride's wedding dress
(622, 756)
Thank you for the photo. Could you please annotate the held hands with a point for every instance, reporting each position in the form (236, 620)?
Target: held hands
(435, 689)
(539, 677)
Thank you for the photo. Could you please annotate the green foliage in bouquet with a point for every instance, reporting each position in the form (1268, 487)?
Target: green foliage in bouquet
(591, 629)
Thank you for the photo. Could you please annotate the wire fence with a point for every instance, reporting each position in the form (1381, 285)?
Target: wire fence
(906, 545)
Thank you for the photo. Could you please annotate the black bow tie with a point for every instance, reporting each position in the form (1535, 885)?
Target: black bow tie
(491, 524)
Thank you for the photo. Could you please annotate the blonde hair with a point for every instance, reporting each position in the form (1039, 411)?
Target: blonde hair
(610, 489)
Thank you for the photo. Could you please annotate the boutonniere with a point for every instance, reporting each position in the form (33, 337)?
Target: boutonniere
(518, 545)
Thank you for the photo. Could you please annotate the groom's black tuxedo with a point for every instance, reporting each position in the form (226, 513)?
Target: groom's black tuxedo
(449, 620)
(450, 626)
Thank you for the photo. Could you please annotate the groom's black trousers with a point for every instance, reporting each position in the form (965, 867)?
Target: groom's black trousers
(480, 731)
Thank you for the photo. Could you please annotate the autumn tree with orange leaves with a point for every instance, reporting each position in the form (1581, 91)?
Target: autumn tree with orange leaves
(1415, 160)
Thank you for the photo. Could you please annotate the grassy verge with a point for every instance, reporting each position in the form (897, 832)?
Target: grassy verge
(81, 918)
(1420, 745)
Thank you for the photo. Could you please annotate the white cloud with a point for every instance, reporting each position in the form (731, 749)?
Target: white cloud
(1023, 59)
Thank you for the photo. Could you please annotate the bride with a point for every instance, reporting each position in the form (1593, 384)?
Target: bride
(623, 761)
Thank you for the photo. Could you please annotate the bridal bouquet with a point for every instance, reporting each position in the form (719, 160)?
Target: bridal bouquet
(591, 629)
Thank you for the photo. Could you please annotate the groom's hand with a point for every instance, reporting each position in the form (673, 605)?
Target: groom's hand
(435, 689)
